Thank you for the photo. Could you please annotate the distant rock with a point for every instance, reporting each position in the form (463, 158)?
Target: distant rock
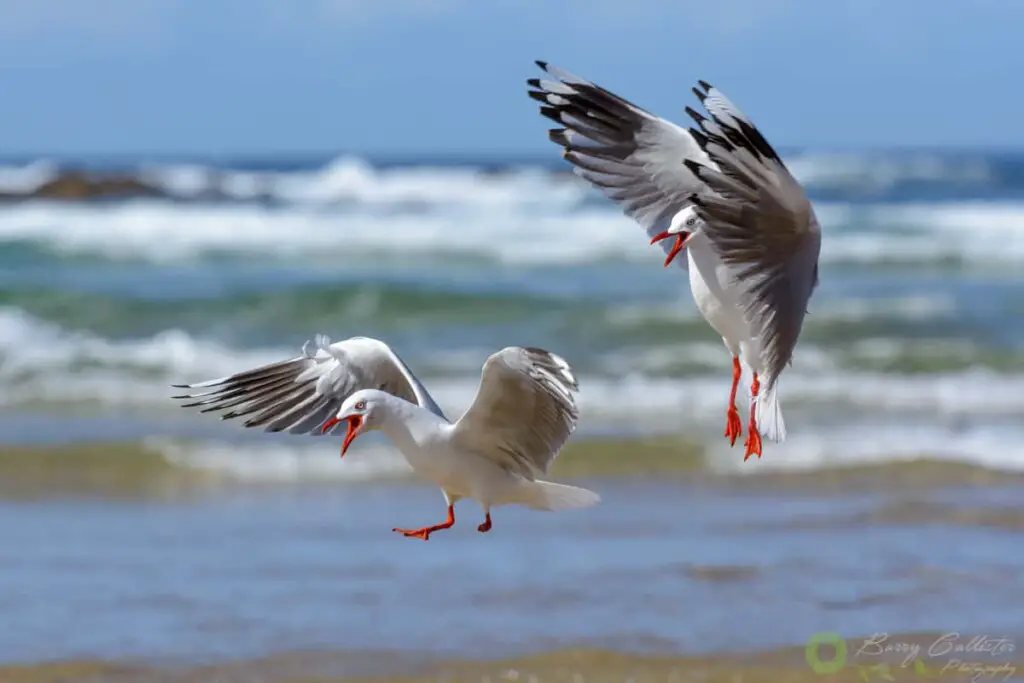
(80, 185)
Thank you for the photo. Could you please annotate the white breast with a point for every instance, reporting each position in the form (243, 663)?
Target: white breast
(710, 281)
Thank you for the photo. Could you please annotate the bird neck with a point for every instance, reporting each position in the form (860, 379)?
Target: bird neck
(407, 425)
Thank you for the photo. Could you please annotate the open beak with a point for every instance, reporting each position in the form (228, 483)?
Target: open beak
(355, 423)
(681, 238)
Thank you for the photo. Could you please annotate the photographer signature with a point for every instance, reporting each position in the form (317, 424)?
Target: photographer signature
(952, 645)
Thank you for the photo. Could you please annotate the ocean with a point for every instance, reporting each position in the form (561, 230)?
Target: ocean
(912, 345)
(911, 359)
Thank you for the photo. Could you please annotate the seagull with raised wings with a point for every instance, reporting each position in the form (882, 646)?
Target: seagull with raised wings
(721, 193)
(523, 414)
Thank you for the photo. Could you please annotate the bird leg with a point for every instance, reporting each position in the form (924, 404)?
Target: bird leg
(425, 532)
(486, 526)
(753, 443)
(733, 426)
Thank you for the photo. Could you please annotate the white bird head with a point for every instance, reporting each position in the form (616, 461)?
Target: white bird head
(683, 225)
(363, 411)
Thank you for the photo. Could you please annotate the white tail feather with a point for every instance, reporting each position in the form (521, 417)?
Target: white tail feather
(768, 413)
(547, 495)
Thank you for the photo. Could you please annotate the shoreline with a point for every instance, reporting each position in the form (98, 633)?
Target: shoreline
(939, 656)
(138, 469)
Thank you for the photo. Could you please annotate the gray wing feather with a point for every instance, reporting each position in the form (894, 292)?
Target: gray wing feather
(632, 156)
(299, 395)
(759, 221)
(524, 411)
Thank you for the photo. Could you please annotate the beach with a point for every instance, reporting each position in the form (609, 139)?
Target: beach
(143, 542)
(682, 570)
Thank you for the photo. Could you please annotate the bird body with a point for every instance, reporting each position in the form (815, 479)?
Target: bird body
(495, 453)
(751, 236)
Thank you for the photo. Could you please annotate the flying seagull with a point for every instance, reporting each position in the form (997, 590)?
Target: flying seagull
(495, 453)
(719, 191)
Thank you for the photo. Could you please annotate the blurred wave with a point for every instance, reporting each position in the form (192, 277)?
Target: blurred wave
(916, 329)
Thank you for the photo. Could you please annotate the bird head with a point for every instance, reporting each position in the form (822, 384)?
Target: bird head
(684, 224)
(362, 411)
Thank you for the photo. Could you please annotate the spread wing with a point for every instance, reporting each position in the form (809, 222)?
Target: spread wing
(523, 413)
(760, 222)
(634, 157)
(300, 394)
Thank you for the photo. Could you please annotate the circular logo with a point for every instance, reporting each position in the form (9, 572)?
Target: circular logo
(813, 649)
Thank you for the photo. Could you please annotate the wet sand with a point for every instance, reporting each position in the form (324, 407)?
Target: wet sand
(134, 470)
(931, 656)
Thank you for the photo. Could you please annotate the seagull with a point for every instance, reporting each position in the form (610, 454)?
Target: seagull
(721, 192)
(523, 414)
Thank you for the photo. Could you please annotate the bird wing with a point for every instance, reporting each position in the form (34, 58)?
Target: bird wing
(760, 222)
(632, 156)
(523, 413)
(299, 395)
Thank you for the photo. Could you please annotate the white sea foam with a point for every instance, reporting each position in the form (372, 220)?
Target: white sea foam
(997, 447)
(863, 442)
(46, 363)
(875, 172)
(354, 179)
(160, 231)
(291, 460)
(349, 209)
(958, 411)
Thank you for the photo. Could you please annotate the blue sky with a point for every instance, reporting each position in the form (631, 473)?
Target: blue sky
(412, 76)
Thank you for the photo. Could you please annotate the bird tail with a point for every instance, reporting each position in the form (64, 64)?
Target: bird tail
(768, 413)
(547, 495)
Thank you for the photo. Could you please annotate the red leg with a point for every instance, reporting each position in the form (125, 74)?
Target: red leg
(425, 532)
(486, 526)
(753, 434)
(733, 426)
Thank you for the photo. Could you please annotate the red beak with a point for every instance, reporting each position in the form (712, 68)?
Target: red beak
(355, 422)
(681, 238)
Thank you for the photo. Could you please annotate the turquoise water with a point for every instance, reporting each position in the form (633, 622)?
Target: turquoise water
(915, 330)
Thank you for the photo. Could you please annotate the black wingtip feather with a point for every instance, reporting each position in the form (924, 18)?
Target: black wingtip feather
(551, 113)
(705, 85)
(181, 386)
(695, 115)
(693, 167)
(541, 64)
(533, 82)
(557, 135)
(538, 95)
(700, 137)
(700, 96)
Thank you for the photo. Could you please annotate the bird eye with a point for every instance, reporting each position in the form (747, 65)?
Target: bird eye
(361, 405)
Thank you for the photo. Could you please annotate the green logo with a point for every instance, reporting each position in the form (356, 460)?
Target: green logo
(812, 653)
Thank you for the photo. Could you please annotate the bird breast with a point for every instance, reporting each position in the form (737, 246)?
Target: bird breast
(713, 292)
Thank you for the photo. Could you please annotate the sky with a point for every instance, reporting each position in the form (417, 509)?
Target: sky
(406, 77)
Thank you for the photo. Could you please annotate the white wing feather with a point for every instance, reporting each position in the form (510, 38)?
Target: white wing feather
(299, 395)
(523, 413)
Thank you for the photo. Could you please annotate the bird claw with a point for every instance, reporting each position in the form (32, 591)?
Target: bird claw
(733, 426)
(414, 533)
(753, 443)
